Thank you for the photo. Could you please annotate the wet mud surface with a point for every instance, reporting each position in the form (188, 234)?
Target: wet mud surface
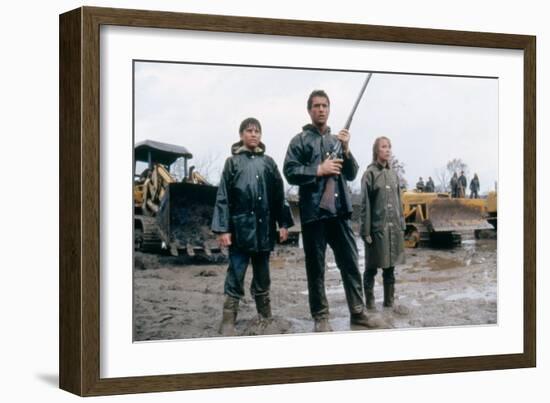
(177, 299)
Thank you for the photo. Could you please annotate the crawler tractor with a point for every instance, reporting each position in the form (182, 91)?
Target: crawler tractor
(170, 215)
(435, 218)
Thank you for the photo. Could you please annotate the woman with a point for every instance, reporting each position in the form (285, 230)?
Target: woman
(382, 222)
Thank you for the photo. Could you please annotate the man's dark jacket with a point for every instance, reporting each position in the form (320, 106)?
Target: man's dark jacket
(250, 200)
(463, 181)
(305, 153)
(430, 186)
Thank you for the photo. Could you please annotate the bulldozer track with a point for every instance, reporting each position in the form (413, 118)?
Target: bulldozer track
(149, 239)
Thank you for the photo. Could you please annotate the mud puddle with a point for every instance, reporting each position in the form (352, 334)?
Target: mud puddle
(437, 263)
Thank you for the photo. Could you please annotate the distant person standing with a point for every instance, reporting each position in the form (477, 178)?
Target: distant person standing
(454, 185)
(382, 222)
(430, 185)
(474, 187)
(462, 183)
(420, 185)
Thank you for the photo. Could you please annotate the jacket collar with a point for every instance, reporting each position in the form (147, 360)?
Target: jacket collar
(311, 128)
(380, 166)
(239, 148)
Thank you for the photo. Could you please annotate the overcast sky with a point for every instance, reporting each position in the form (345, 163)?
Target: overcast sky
(430, 119)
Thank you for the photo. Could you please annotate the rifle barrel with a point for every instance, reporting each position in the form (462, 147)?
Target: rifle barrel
(363, 88)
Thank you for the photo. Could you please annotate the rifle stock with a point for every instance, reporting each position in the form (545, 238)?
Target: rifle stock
(328, 201)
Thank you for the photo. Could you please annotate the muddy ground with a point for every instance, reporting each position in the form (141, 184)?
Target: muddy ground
(175, 298)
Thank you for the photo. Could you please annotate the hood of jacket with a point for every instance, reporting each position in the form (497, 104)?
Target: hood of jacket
(239, 148)
(312, 128)
(379, 165)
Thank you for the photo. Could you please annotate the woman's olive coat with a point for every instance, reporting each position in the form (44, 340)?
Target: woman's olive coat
(382, 222)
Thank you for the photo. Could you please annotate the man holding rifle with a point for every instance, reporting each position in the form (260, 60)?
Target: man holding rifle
(320, 164)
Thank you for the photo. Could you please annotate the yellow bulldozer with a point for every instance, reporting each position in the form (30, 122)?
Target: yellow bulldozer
(436, 218)
(170, 215)
(491, 206)
(432, 219)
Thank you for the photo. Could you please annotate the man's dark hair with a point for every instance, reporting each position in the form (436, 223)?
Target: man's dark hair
(316, 93)
(249, 122)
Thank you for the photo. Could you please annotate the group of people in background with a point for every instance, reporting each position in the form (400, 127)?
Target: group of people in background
(251, 213)
(429, 187)
(459, 183)
(458, 186)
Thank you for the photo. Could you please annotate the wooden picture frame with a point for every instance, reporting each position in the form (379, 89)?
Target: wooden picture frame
(79, 278)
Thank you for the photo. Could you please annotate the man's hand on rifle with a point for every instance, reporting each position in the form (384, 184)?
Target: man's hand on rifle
(224, 239)
(330, 167)
(344, 137)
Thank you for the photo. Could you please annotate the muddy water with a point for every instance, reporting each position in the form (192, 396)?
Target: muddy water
(436, 263)
(457, 287)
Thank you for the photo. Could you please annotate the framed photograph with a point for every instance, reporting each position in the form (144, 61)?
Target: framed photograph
(356, 169)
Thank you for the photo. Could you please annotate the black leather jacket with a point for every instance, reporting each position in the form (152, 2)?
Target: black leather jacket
(250, 200)
(305, 152)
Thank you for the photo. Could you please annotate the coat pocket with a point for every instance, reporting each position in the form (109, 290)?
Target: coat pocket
(244, 228)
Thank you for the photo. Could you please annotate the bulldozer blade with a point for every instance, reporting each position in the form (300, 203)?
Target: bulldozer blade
(457, 215)
(185, 215)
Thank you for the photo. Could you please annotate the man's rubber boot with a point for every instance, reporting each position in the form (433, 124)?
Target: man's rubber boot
(263, 306)
(229, 316)
(359, 319)
(389, 290)
(322, 325)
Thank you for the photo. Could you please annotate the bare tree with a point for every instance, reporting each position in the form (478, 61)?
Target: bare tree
(178, 169)
(457, 165)
(209, 166)
(399, 168)
(442, 176)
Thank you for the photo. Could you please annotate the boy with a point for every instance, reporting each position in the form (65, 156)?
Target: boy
(249, 203)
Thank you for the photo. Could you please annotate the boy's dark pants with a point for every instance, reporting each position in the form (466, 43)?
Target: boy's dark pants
(337, 233)
(238, 263)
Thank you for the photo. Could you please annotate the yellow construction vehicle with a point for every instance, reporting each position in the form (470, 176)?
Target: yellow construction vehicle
(436, 218)
(491, 205)
(171, 215)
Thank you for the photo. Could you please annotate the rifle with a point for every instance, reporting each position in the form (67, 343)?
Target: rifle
(328, 201)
